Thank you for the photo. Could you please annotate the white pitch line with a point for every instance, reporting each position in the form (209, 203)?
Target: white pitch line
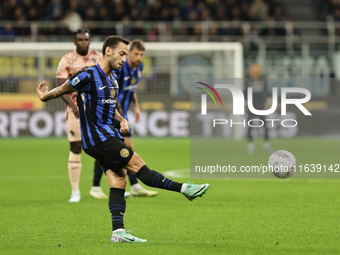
(178, 173)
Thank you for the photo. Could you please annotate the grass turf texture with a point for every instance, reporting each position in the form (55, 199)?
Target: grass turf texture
(236, 216)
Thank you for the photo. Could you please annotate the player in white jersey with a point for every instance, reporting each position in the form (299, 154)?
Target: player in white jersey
(69, 64)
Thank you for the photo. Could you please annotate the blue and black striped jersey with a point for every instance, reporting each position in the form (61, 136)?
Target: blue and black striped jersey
(128, 81)
(97, 99)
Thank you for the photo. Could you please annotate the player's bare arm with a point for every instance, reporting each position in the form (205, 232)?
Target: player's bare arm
(137, 108)
(124, 125)
(45, 95)
(67, 99)
(119, 108)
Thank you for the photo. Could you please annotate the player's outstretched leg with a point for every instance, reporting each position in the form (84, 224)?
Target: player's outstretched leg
(158, 180)
(135, 188)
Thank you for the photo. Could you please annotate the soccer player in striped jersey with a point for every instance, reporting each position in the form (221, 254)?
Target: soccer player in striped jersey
(97, 99)
(69, 64)
(128, 77)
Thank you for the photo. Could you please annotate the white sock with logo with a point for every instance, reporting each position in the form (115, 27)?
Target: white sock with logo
(184, 186)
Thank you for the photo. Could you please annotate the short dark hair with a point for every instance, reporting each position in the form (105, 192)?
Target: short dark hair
(112, 42)
(81, 31)
(137, 43)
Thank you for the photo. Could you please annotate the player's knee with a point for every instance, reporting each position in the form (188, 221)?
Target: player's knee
(75, 147)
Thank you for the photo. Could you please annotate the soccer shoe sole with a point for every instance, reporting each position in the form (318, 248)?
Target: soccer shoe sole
(200, 194)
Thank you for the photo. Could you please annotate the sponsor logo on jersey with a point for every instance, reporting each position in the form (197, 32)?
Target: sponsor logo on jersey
(109, 101)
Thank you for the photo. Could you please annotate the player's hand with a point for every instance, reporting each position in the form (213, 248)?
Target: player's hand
(137, 114)
(42, 92)
(124, 127)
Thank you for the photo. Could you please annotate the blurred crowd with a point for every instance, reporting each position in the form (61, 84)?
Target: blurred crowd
(329, 9)
(141, 10)
(146, 10)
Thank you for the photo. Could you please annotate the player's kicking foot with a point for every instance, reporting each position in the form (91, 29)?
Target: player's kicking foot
(192, 190)
(138, 191)
(97, 192)
(75, 197)
(122, 236)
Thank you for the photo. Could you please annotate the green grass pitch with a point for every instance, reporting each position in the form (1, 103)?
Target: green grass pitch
(236, 216)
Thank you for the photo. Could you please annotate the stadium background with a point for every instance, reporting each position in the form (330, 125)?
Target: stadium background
(290, 39)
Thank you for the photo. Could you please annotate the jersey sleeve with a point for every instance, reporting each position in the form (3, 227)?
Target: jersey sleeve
(141, 66)
(62, 70)
(81, 81)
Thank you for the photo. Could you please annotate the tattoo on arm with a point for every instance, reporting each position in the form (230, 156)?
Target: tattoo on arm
(66, 88)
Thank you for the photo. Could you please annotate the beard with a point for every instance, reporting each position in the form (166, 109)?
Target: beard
(114, 67)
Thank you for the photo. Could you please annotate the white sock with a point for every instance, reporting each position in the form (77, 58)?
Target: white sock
(119, 229)
(184, 186)
(96, 188)
(75, 193)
